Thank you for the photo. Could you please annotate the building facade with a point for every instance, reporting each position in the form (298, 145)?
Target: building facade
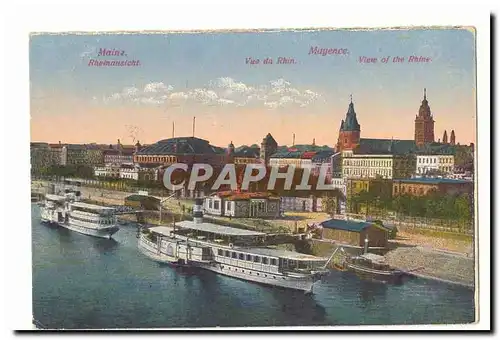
(424, 123)
(435, 163)
(355, 233)
(233, 204)
(367, 165)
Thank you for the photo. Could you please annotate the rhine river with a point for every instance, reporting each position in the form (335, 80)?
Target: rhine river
(85, 282)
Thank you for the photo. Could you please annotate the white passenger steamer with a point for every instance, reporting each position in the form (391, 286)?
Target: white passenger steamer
(89, 219)
(230, 251)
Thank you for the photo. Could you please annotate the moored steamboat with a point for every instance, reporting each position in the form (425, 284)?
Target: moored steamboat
(231, 251)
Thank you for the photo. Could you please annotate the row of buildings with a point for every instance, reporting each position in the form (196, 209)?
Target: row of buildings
(354, 159)
(44, 155)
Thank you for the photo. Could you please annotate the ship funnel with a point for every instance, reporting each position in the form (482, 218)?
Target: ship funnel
(198, 211)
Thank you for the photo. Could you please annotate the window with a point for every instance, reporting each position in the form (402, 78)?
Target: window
(273, 262)
(216, 205)
(227, 253)
(233, 255)
(265, 260)
(256, 259)
(219, 252)
(241, 256)
(249, 257)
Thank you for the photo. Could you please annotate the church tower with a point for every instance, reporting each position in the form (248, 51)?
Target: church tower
(424, 124)
(452, 137)
(445, 137)
(350, 131)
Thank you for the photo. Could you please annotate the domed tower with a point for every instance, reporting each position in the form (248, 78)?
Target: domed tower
(424, 124)
(452, 137)
(350, 130)
(445, 137)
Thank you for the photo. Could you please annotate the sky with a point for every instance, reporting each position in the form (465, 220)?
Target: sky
(207, 75)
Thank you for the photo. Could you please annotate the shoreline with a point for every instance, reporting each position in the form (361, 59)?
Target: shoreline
(438, 279)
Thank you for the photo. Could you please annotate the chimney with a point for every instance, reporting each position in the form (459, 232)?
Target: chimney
(198, 211)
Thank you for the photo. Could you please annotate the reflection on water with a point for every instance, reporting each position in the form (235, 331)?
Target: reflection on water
(371, 291)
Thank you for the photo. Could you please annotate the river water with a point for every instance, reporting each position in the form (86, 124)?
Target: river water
(85, 282)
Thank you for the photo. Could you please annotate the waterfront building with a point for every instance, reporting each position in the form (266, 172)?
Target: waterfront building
(379, 158)
(325, 158)
(107, 171)
(377, 186)
(73, 154)
(187, 150)
(424, 186)
(443, 164)
(56, 153)
(243, 204)
(41, 156)
(94, 154)
(282, 159)
(392, 158)
(140, 173)
(354, 233)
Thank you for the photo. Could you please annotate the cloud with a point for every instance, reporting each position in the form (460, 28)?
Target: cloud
(158, 87)
(224, 91)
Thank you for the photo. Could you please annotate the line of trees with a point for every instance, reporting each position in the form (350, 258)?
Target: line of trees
(79, 171)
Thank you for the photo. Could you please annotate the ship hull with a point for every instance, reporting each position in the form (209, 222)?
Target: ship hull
(393, 276)
(304, 284)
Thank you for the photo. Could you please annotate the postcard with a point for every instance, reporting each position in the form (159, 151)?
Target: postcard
(244, 178)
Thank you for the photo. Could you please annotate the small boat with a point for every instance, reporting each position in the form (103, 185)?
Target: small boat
(373, 267)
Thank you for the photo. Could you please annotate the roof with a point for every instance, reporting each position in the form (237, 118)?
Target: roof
(181, 146)
(233, 196)
(90, 206)
(437, 149)
(351, 122)
(431, 180)
(273, 252)
(373, 257)
(355, 226)
(287, 154)
(247, 151)
(217, 229)
(51, 197)
(386, 146)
